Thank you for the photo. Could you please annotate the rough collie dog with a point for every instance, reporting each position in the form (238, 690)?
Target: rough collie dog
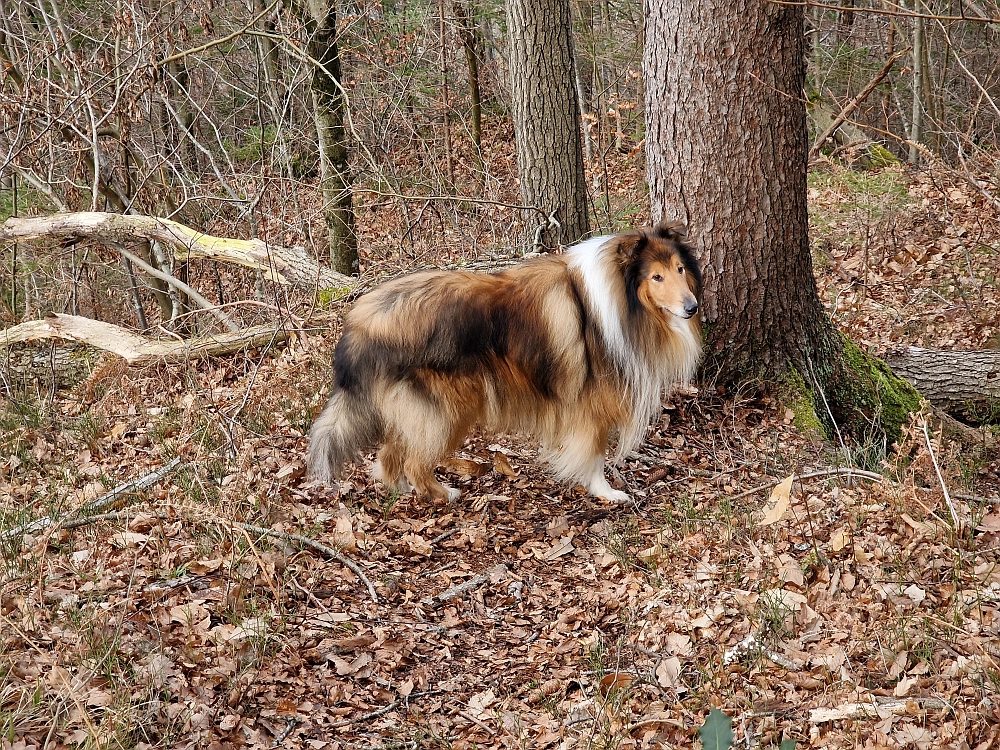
(564, 347)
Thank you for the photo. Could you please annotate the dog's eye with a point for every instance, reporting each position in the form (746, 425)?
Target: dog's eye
(680, 270)
(657, 277)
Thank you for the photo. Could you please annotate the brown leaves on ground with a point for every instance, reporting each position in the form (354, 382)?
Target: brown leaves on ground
(837, 612)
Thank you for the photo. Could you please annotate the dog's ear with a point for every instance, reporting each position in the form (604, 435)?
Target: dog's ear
(630, 245)
(670, 230)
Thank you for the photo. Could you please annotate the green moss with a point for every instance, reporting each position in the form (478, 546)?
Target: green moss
(881, 399)
(327, 297)
(879, 156)
(796, 396)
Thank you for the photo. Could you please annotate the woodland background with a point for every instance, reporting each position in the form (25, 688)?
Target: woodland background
(170, 614)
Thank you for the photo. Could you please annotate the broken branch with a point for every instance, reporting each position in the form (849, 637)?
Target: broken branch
(282, 265)
(137, 350)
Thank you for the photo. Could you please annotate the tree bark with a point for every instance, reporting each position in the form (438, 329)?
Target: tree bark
(964, 384)
(726, 154)
(546, 117)
(330, 109)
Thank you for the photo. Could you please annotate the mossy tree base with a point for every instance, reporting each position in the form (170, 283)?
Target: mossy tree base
(855, 399)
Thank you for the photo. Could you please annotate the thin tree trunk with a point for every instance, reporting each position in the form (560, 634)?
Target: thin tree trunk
(329, 111)
(468, 33)
(546, 117)
(916, 117)
(583, 79)
(445, 103)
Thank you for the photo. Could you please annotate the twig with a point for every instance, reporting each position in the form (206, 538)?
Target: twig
(882, 12)
(861, 474)
(944, 487)
(474, 720)
(86, 514)
(313, 544)
(443, 536)
(289, 726)
(383, 710)
(854, 103)
(464, 588)
(751, 644)
(180, 286)
(217, 42)
(877, 709)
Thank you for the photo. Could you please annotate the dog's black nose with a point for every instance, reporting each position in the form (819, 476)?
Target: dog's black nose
(691, 308)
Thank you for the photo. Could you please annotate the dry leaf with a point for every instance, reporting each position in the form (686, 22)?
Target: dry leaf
(911, 734)
(679, 644)
(839, 540)
(129, 539)
(615, 681)
(480, 702)
(668, 673)
(563, 547)
(464, 467)
(790, 571)
(557, 527)
(418, 545)
(990, 523)
(502, 465)
(903, 686)
(781, 498)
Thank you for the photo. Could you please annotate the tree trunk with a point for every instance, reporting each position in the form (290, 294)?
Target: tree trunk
(546, 117)
(331, 136)
(726, 151)
(964, 384)
(918, 87)
(468, 33)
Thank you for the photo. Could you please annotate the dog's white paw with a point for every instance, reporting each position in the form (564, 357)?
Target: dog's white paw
(600, 488)
(453, 494)
(616, 496)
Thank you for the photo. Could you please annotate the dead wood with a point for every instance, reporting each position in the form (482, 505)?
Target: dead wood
(317, 546)
(463, 588)
(89, 513)
(135, 349)
(964, 384)
(852, 105)
(282, 265)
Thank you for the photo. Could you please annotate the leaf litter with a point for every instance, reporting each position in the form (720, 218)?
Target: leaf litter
(839, 612)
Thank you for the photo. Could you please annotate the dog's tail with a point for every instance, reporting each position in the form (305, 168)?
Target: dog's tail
(348, 425)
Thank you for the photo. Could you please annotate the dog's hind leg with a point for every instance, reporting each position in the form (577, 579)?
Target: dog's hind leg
(425, 433)
(388, 468)
(598, 485)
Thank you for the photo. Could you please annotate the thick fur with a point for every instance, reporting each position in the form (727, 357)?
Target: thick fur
(564, 347)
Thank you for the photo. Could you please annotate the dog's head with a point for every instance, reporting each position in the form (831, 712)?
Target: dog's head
(661, 273)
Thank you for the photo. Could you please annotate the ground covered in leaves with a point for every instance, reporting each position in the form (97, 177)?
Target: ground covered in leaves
(838, 609)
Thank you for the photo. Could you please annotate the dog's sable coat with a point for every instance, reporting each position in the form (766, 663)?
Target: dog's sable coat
(564, 347)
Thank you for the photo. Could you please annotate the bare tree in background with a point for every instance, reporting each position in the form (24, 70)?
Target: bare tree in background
(546, 118)
(329, 101)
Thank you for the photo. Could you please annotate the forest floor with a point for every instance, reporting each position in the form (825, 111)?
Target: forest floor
(860, 615)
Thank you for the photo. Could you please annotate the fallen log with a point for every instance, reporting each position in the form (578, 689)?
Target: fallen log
(282, 265)
(963, 384)
(135, 349)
